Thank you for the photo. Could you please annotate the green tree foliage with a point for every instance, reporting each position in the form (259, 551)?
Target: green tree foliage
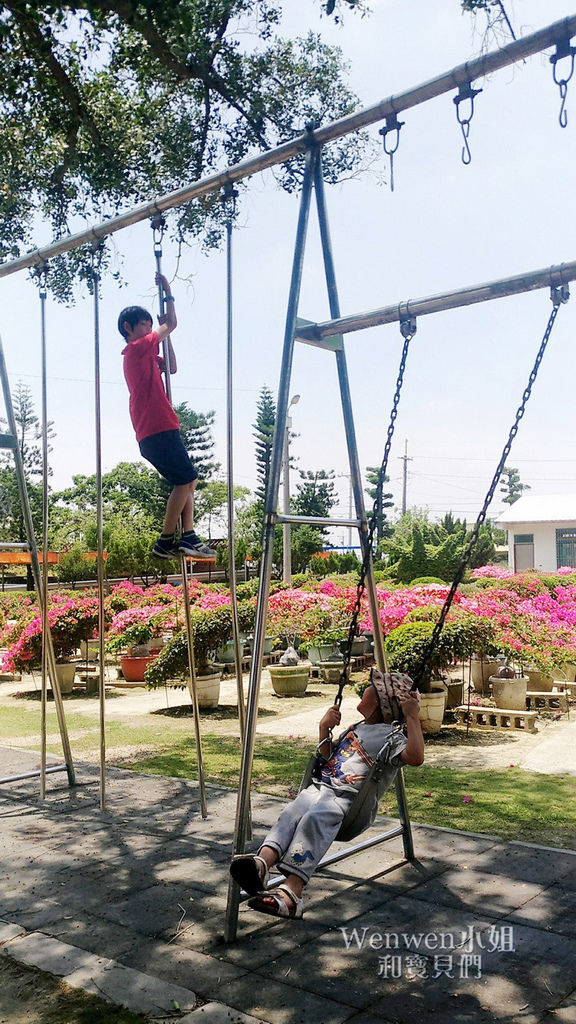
(383, 499)
(264, 438)
(315, 494)
(211, 506)
(106, 104)
(29, 437)
(196, 431)
(305, 541)
(511, 486)
(421, 548)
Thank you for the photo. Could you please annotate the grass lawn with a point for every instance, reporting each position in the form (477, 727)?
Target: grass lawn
(507, 802)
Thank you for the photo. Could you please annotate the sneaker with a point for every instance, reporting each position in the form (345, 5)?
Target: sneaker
(165, 548)
(195, 549)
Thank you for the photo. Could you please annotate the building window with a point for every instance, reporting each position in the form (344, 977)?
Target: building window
(523, 538)
(566, 547)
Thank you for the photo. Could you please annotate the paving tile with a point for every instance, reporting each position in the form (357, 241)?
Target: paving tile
(218, 1013)
(281, 1003)
(492, 894)
(521, 863)
(94, 934)
(139, 992)
(163, 911)
(552, 910)
(40, 950)
(9, 931)
(199, 971)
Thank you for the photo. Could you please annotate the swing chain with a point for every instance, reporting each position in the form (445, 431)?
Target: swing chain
(158, 225)
(558, 296)
(563, 50)
(408, 330)
(41, 274)
(466, 93)
(229, 198)
(392, 124)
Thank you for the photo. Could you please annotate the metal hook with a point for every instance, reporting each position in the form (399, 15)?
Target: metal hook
(563, 50)
(41, 273)
(392, 124)
(466, 92)
(408, 326)
(560, 294)
(158, 225)
(229, 198)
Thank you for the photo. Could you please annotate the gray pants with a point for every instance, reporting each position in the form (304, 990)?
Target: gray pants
(306, 829)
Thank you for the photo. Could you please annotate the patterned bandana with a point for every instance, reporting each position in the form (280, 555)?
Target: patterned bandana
(388, 687)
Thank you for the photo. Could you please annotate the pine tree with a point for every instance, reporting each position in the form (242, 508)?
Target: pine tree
(264, 435)
(315, 494)
(383, 500)
(196, 432)
(511, 486)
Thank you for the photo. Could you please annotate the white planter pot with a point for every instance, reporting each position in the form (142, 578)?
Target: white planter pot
(432, 709)
(509, 694)
(481, 672)
(65, 673)
(539, 680)
(208, 690)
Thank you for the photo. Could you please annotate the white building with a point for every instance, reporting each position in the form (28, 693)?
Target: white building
(541, 532)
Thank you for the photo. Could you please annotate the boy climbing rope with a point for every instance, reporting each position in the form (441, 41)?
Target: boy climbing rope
(309, 825)
(157, 426)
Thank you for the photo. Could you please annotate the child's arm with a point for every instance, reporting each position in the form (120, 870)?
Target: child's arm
(413, 752)
(327, 723)
(168, 322)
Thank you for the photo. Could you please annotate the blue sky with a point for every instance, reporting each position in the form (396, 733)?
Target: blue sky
(445, 226)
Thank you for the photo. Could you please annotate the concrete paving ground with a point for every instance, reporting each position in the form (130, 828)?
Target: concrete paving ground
(130, 903)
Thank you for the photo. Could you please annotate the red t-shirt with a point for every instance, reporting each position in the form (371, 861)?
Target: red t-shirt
(150, 409)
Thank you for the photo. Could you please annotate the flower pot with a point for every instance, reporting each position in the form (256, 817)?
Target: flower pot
(432, 709)
(509, 694)
(359, 645)
(454, 694)
(329, 652)
(568, 672)
(314, 654)
(208, 689)
(538, 680)
(267, 646)
(331, 671)
(226, 654)
(133, 668)
(481, 672)
(89, 650)
(65, 672)
(289, 680)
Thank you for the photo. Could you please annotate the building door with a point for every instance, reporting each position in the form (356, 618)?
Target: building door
(566, 547)
(523, 551)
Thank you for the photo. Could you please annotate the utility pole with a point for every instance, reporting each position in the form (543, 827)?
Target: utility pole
(404, 458)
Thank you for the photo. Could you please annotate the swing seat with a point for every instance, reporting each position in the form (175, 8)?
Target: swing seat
(364, 807)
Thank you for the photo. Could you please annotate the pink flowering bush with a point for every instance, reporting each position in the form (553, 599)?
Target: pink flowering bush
(70, 621)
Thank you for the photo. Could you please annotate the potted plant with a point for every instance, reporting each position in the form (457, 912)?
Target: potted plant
(211, 628)
(407, 646)
(291, 678)
(133, 646)
(509, 689)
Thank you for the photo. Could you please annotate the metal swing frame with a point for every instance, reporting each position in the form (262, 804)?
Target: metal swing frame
(462, 76)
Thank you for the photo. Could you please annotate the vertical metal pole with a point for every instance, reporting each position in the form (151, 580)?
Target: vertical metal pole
(44, 596)
(38, 581)
(157, 227)
(355, 475)
(230, 472)
(272, 489)
(99, 529)
(286, 533)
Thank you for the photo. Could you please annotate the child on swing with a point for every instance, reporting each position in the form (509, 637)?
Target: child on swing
(157, 426)
(309, 825)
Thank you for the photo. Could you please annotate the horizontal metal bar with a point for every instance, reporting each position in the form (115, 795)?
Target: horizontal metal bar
(463, 74)
(350, 850)
(531, 281)
(5, 545)
(317, 521)
(34, 774)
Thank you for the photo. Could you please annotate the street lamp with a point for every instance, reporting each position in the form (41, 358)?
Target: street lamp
(286, 554)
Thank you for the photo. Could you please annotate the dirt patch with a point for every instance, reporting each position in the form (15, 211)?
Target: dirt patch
(28, 996)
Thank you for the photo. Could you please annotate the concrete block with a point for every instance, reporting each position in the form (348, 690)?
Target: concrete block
(40, 950)
(9, 931)
(136, 991)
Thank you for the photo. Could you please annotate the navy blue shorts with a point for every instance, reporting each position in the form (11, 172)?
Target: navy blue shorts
(168, 455)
